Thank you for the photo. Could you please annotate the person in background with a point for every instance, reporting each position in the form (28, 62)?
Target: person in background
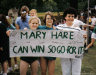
(47, 62)
(70, 66)
(4, 43)
(93, 19)
(22, 21)
(93, 37)
(24, 7)
(81, 18)
(32, 13)
(10, 69)
(10, 18)
(89, 20)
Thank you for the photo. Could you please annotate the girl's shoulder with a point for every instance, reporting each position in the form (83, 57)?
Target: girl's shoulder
(41, 27)
(60, 26)
(18, 19)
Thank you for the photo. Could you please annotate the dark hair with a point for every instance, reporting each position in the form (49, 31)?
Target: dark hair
(23, 15)
(48, 13)
(4, 20)
(24, 8)
(70, 10)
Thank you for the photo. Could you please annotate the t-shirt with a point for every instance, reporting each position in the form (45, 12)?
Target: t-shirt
(12, 27)
(93, 21)
(44, 28)
(22, 24)
(90, 19)
(94, 30)
(10, 19)
(78, 22)
(65, 27)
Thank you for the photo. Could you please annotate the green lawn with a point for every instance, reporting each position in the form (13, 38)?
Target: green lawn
(89, 62)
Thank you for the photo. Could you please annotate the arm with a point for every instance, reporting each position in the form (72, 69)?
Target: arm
(8, 32)
(16, 23)
(17, 26)
(91, 26)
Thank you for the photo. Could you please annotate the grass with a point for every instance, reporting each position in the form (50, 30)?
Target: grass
(88, 64)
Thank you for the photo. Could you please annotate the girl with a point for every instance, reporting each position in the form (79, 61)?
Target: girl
(70, 66)
(47, 62)
(4, 43)
(33, 12)
(32, 61)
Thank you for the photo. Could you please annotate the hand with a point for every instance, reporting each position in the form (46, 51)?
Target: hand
(54, 27)
(25, 28)
(8, 32)
(1, 48)
(84, 36)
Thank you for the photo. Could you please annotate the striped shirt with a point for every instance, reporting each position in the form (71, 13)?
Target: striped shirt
(68, 28)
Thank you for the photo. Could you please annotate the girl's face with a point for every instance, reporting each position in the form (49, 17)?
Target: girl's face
(23, 16)
(49, 21)
(69, 18)
(34, 24)
(33, 13)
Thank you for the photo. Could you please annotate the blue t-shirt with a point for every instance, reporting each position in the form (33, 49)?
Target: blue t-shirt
(44, 28)
(12, 27)
(47, 28)
(22, 24)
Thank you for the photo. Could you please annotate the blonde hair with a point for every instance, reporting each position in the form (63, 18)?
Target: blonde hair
(33, 10)
(32, 18)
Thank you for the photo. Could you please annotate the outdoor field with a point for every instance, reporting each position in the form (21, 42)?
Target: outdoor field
(47, 28)
(88, 64)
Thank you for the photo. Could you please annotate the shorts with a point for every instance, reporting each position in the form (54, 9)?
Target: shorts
(4, 55)
(50, 58)
(29, 60)
(93, 35)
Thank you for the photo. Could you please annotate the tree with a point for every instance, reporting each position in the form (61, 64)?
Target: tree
(62, 4)
(5, 5)
(50, 6)
(40, 5)
(74, 4)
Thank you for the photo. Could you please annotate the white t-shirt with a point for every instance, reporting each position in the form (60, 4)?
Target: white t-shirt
(93, 21)
(78, 22)
(74, 27)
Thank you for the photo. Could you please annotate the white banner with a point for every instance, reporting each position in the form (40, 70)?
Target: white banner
(49, 43)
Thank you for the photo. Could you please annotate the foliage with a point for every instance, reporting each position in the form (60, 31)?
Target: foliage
(62, 4)
(83, 4)
(43, 5)
(50, 6)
